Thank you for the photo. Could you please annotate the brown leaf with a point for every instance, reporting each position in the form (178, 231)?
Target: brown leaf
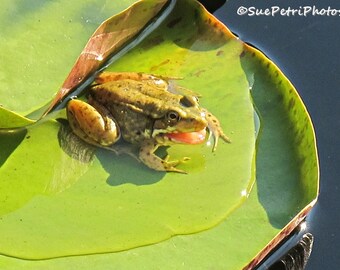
(111, 36)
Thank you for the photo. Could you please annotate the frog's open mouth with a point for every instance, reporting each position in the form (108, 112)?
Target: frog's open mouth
(196, 137)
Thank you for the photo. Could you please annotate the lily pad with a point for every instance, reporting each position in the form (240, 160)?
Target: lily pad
(133, 205)
(37, 55)
(100, 203)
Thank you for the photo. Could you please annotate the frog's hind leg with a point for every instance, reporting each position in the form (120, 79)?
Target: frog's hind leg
(94, 127)
(149, 158)
(124, 149)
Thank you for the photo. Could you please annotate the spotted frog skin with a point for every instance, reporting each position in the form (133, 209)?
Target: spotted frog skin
(144, 110)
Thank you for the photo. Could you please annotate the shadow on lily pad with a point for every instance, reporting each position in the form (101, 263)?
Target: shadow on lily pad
(123, 168)
(9, 142)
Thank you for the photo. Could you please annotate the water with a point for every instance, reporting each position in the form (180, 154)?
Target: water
(302, 47)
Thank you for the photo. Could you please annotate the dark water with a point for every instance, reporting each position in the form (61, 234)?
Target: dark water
(306, 48)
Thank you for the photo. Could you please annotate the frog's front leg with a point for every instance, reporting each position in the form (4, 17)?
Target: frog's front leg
(94, 124)
(215, 128)
(149, 158)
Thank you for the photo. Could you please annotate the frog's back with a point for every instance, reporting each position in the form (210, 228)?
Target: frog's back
(138, 96)
(134, 127)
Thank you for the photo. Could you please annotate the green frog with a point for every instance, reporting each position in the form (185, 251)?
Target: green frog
(144, 110)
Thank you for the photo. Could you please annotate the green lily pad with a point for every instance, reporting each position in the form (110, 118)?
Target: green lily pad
(37, 56)
(100, 203)
(133, 205)
(9, 119)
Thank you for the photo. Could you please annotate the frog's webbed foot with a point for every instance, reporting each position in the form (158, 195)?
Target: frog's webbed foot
(215, 129)
(148, 157)
(173, 163)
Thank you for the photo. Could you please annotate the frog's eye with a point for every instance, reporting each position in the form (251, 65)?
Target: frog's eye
(173, 116)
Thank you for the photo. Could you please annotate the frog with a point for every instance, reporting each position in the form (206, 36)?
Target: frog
(148, 111)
